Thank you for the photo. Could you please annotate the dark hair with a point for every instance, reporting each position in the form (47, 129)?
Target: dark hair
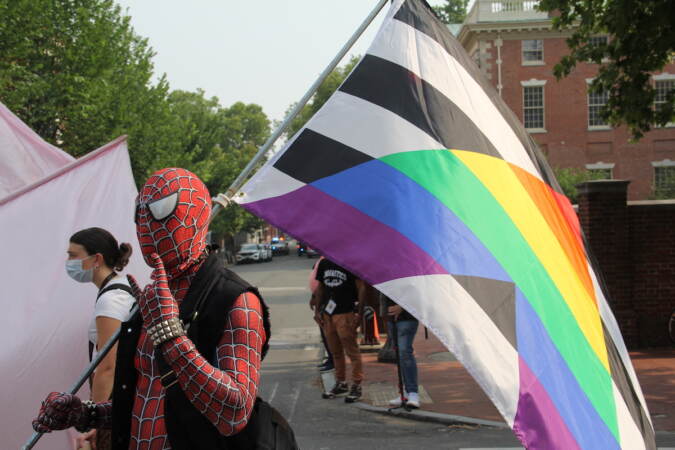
(97, 240)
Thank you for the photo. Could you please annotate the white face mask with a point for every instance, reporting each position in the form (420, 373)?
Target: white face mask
(77, 273)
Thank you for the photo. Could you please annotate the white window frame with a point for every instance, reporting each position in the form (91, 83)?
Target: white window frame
(535, 83)
(606, 37)
(602, 166)
(588, 110)
(660, 164)
(534, 62)
(663, 77)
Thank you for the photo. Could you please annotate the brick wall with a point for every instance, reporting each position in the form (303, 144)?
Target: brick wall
(634, 246)
(568, 141)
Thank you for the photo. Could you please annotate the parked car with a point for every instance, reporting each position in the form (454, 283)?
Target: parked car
(267, 252)
(310, 252)
(250, 253)
(280, 248)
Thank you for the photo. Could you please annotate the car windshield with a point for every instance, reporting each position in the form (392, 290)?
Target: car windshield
(249, 247)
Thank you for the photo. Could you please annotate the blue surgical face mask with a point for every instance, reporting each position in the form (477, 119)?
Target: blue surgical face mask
(77, 273)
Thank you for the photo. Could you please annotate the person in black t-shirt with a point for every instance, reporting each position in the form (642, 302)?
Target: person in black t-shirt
(339, 313)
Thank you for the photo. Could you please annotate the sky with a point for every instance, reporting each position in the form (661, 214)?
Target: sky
(267, 52)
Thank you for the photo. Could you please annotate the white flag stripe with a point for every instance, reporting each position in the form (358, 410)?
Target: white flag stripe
(466, 330)
(612, 328)
(268, 182)
(420, 54)
(369, 128)
(631, 437)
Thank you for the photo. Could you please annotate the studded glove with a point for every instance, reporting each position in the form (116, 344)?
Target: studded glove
(158, 308)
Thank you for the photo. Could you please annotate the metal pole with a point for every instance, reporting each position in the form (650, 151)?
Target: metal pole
(223, 199)
(86, 374)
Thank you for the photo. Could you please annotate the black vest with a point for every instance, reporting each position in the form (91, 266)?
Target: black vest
(213, 291)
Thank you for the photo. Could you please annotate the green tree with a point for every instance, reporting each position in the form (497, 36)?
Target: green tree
(327, 88)
(216, 143)
(453, 11)
(75, 72)
(568, 178)
(641, 40)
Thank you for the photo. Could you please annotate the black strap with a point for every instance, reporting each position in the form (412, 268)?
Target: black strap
(112, 287)
(189, 312)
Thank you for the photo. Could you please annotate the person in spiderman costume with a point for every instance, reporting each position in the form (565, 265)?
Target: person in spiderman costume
(188, 367)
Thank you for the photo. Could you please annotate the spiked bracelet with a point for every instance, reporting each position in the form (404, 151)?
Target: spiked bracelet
(166, 330)
(88, 418)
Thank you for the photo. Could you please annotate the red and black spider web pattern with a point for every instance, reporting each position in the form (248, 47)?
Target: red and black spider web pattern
(180, 238)
(224, 394)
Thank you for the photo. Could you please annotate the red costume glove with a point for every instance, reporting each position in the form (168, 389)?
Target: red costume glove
(155, 301)
(60, 411)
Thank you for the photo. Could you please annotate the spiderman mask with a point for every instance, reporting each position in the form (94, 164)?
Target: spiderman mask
(172, 218)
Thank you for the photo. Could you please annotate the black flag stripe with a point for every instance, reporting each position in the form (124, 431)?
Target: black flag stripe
(417, 14)
(313, 156)
(402, 92)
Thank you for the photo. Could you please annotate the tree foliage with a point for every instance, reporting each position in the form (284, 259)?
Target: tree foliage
(641, 40)
(569, 178)
(216, 143)
(76, 72)
(453, 11)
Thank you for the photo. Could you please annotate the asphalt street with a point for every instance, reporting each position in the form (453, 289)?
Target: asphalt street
(291, 381)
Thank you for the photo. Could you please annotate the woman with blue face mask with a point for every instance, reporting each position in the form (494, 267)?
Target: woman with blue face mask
(94, 256)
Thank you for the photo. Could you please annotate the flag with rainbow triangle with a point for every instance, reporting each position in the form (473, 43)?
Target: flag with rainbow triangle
(418, 178)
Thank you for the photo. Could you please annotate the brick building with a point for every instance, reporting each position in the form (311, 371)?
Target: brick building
(516, 47)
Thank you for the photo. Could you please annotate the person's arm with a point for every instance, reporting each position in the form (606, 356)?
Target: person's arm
(105, 372)
(225, 393)
(319, 297)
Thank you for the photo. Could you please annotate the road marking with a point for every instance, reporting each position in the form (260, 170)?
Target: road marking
(274, 392)
(295, 396)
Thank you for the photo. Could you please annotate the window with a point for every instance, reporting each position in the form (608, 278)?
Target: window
(664, 179)
(533, 107)
(663, 88)
(601, 174)
(596, 101)
(596, 41)
(601, 170)
(533, 51)
(476, 57)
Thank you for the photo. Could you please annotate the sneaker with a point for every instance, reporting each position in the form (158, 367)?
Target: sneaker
(325, 367)
(340, 388)
(413, 400)
(395, 402)
(354, 394)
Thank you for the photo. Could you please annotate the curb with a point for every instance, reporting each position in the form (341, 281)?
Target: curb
(430, 416)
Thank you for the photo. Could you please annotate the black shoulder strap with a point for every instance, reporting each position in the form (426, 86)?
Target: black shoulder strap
(112, 287)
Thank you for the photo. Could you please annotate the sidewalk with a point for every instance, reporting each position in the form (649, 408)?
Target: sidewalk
(448, 390)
